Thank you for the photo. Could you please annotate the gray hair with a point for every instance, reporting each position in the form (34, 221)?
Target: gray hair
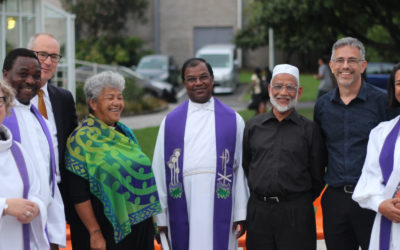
(32, 39)
(9, 93)
(349, 41)
(94, 85)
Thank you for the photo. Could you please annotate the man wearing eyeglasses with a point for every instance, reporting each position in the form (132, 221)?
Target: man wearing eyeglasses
(197, 165)
(283, 160)
(346, 116)
(56, 104)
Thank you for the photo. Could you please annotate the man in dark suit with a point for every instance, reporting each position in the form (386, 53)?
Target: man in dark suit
(56, 104)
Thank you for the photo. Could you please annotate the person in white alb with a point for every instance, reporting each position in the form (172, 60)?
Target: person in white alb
(22, 212)
(198, 168)
(21, 70)
(378, 188)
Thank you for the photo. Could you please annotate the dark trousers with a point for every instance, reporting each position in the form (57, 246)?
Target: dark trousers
(286, 225)
(346, 225)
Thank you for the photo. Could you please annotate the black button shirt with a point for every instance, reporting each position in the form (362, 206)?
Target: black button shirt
(346, 128)
(283, 158)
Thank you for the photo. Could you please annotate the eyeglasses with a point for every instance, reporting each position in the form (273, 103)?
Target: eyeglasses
(352, 61)
(42, 55)
(193, 79)
(289, 88)
(2, 101)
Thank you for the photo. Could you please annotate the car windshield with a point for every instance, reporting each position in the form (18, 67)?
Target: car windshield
(379, 68)
(153, 63)
(217, 60)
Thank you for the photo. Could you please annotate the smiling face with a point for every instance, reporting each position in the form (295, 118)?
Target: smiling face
(108, 106)
(284, 92)
(198, 83)
(45, 43)
(24, 77)
(347, 74)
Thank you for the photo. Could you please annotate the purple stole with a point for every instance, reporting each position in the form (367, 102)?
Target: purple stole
(12, 124)
(386, 159)
(19, 160)
(225, 130)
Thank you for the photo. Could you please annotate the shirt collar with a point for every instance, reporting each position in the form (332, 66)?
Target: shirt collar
(44, 88)
(21, 105)
(209, 105)
(294, 116)
(362, 94)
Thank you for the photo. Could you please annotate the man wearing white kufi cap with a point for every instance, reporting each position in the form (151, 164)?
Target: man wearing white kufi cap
(283, 159)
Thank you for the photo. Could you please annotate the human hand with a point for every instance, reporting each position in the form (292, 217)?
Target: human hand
(390, 208)
(241, 230)
(22, 209)
(97, 241)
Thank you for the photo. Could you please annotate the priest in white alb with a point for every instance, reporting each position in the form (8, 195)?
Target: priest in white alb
(21, 70)
(198, 168)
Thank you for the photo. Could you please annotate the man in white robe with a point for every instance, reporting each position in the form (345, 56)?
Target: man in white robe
(199, 164)
(21, 69)
(372, 193)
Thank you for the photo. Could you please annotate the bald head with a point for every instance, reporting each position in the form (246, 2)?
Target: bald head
(44, 42)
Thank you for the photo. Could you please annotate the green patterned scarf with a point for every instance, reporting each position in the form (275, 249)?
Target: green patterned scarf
(119, 173)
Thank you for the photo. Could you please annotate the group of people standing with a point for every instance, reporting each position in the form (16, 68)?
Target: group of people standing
(212, 177)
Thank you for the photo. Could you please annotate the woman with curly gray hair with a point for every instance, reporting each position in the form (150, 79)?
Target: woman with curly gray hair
(21, 211)
(110, 179)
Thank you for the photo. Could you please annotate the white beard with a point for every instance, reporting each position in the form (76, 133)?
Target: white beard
(283, 109)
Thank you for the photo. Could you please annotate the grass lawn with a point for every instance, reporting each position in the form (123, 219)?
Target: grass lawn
(147, 136)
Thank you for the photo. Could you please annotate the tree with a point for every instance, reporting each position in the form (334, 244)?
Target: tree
(305, 26)
(105, 16)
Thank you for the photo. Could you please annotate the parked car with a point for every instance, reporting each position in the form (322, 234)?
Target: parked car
(159, 68)
(157, 88)
(378, 73)
(222, 58)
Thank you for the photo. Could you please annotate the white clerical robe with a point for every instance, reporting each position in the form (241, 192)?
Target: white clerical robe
(11, 186)
(370, 191)
(199, 170)
(35, 143)
(51, 122)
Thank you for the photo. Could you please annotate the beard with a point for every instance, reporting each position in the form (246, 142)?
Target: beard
(283, 109)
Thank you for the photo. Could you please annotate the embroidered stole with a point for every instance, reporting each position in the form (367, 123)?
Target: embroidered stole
(12, 124)
(20, 162)
(386, 160)
(225, 130)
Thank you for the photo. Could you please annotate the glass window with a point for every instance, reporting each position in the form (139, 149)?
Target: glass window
(12, 33)
(27, 6)
(11, 5)
(217, 60)
(28, 29)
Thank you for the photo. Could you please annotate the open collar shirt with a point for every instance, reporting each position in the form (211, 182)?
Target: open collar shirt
(346, 129)
(283, 158)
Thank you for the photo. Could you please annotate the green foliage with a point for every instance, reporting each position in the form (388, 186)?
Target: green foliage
(305, 26)
(115, 50)
(105, 16)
